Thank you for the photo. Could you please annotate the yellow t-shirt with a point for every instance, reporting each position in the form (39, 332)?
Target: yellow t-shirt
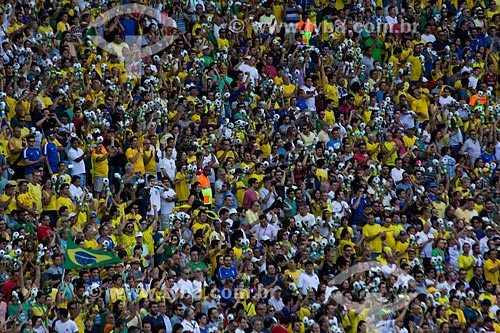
(139, 163)
(90, 244)
(387, 147)
(62, 201)
(27, 199)
(330, 117)
(409, 142)
(375, 244)
(36, 192)
(117, 294)
(129, 241)
(63, 27)
(459, 313)
(293, 275)
(181, 187)
(416, 68)
(421, 105)
(466, 261)
(12, 205)
(491, 276)
(101, 169)
(389, 236)
(150, 167)
(400, 246)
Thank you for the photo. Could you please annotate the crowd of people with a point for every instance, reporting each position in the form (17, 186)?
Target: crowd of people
(286, 166)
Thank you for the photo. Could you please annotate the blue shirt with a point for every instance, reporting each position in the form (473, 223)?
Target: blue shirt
(359, 211)
(488, 157)
(302, 104)
(129, 25)
(52, 154)
(226, 273)
(31, 154)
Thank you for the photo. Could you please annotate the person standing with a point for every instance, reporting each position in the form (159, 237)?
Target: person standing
(77, 158)
(63, 324)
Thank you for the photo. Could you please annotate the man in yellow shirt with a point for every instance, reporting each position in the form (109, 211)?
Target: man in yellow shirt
(420, 106)
(117, 292)
(492, 267)
(17, 24)
(135, 155)
(222, 40)
(64, 199)
(455, 309)
(150, 159)
(25, 200)
(9, 199)
(373, 236)
(101, 168)
(35, 189)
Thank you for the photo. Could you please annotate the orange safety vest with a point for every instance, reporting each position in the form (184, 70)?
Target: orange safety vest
(206, 190)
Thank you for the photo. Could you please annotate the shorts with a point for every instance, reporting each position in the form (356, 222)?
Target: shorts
(98, 184)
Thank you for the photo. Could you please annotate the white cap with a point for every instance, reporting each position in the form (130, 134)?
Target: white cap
(138, 234)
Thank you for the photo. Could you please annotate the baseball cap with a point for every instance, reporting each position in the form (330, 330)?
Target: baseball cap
(432, 184)
(138, 234)
(233, 211)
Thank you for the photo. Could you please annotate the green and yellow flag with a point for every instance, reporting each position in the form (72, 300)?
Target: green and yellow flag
(79, 257)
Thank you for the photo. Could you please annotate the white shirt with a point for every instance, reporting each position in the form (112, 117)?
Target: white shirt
(306, 281)
(391, 21)
(311, 101)
(397, 174)
(198, 287)
(385, 326)
(66, 327)
(445, 100)
(472, 147)
(190, 326)
(78, 167)
(219, 195)
(269, 231)
(272, 198)
(426, 251)
(183, 286)
(430, 38)
(168, 324)
(276, 303)
(168, 164)
(388, 269)
(75, 191)
(307, 221)
(340, 208)
(254, 73)
(483, 244)
(167, 207)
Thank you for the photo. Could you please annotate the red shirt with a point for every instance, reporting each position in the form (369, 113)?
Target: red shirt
(42, 232)
(490, 79)
(361, 158)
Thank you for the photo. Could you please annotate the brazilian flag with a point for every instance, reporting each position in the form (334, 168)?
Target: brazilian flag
(79, 257)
